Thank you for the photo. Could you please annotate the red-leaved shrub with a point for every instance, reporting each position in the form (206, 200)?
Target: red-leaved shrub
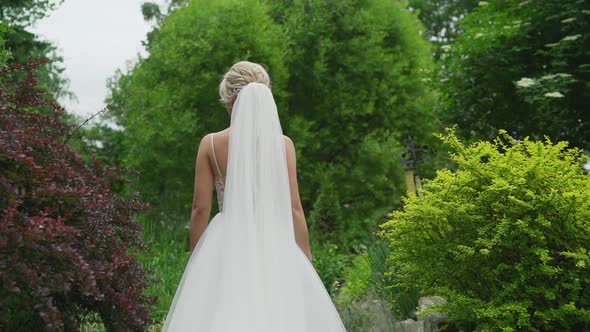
(66, 239)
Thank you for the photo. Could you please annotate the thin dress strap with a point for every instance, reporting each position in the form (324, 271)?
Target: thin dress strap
(214, 157)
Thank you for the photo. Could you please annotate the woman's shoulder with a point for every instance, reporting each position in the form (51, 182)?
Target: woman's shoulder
(220, 133)
(288, 140)
(208, 139)
(223, 135)
(289, 145)
(214, 135)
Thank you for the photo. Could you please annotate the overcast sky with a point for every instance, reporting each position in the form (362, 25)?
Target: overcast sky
(95, 38)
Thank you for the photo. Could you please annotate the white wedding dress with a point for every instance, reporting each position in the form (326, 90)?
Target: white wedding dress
(247, 273)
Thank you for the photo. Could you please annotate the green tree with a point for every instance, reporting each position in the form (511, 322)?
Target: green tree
(152, 12)
(523, 66)
(25, 46)
(357, 87)
(26, 12)
(4, 54)
(504, 237)
(168, 101)
(350, 78)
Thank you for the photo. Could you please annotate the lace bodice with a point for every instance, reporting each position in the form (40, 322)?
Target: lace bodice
(219, 180)
(219, 188)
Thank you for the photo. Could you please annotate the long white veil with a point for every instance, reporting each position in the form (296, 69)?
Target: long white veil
(257, 198)
(257, 207)
(257, 195)
(247, 272)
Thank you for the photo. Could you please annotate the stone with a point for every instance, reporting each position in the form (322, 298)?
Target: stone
(432, 320)
(428, 301)
(409, 325)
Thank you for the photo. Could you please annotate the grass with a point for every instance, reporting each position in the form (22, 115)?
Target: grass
(168, 257)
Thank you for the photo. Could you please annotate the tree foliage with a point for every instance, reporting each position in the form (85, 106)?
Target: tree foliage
(523, 66)
(26, 12)
(65, 237)
(504, 237)
(168, 101)
(4, 54)
(349, 78)
(24, 46)
(356, 91)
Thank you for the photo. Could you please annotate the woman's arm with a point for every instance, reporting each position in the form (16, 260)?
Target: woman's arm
(300, 225)
(202, 194)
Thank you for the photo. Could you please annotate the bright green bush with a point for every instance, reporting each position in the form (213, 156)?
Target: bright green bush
(504, 237)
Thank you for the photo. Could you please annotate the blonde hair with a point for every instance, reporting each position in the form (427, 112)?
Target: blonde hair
(238, 76)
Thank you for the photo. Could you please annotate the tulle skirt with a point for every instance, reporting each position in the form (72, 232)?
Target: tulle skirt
(234, 283)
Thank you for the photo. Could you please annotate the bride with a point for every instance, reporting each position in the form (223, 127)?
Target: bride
(250, 266)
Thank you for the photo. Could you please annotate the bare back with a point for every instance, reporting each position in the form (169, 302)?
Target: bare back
(218, 163)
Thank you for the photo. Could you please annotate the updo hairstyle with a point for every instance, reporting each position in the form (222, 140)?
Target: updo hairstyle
(238, 76)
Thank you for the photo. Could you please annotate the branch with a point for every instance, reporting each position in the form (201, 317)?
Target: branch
(83, 123)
